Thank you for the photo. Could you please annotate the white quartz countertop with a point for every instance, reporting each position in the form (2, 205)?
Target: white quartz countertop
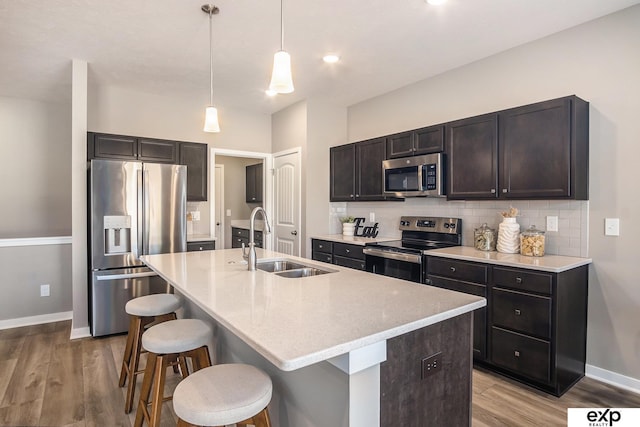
(550, 263)
(354, 240)
(244, 223)
(298, 322)
(200, 238)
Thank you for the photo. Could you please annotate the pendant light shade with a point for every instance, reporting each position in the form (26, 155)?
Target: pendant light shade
(211, 120)
(281, 78)
(211, 123)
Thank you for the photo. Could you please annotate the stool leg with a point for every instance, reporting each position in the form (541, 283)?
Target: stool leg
(147, 381)
(259, 420)
(139, 327)
(127, 352)
(158, 390)
(199, 357)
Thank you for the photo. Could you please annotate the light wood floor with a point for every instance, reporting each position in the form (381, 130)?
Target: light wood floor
(47, 380)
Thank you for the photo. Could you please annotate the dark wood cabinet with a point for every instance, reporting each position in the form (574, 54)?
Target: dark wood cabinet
(207, 245)
(412, 143)
(356, 171)
(470, 278)
(536, 322)
(194, 156)
(343, 254)
(472, 158)
(157, 150)
(106, 146)
(537, 151)
(241, 235)
(253, 187)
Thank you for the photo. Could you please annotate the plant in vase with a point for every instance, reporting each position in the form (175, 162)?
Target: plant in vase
(509, 232)
(348, 225)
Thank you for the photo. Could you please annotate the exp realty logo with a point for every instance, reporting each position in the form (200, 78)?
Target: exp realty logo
(603, 417)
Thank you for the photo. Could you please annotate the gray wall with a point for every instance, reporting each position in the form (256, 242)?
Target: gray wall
(600, 62)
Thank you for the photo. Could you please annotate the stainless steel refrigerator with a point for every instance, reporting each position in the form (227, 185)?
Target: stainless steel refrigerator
(134, 209)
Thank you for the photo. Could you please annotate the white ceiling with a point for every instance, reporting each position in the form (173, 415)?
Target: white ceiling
(162, 46)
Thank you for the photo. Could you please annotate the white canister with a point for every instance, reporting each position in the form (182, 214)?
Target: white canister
(348, 228)
(508, 236)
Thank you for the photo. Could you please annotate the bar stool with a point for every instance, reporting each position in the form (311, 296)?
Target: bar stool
(165, 342)
(224, 394)
(142, 311)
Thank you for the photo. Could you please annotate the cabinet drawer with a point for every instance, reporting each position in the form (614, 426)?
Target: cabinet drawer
(523, 280)
(201, 246)
(458, 270)
(349, 251)
(321, 246)
(240, 232)
(349, 262)
(521, 312)
(521, 354)
(322, 256)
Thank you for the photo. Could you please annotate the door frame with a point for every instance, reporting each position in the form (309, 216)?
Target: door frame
(267, 182)
(212, 217)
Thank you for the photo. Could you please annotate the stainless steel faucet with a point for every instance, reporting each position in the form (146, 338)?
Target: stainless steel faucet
(251, 257)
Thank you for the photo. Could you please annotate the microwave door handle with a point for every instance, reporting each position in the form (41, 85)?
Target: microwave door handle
(420, 169)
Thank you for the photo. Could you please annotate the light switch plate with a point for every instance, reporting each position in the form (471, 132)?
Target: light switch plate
(372, 217)
(228, 212)
(195, 216)
(552, 223)
(44, 291)
(612, 226)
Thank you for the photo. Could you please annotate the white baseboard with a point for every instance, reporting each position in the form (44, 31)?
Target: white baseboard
(613, 378)
(35, 320)
(77, 333)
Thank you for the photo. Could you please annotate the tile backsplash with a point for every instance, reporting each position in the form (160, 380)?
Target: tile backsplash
(571, 239)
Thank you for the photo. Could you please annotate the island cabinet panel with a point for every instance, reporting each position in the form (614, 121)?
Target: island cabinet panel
(409, 397)
(194, 156)
(534, 326)
(322, 250)
(467, 277)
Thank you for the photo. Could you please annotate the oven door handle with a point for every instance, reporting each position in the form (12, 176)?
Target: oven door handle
(399, 256)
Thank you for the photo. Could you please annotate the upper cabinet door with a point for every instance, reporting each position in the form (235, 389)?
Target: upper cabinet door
(342, 175)
(369, 158)
(540, 146)
(253, 186)
(472, 158)
(104, 146)
(400, 145)
(429, 140)
(194, 156)
(157, 150)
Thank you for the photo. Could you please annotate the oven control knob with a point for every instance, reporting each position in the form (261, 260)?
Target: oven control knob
(446, 225)
(452, 225)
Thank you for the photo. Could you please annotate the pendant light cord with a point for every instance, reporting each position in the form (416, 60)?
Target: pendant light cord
(211, 53)
(281, 27)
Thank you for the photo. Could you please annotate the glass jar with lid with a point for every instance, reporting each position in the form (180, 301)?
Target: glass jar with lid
(485, 238)
(532, 242)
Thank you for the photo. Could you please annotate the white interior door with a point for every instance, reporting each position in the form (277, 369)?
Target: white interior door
(287, 197)
(219, 206)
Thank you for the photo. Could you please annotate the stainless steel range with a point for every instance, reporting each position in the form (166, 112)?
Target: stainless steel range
(404, 259)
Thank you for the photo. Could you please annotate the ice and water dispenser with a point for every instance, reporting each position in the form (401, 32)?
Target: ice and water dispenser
(117, 234)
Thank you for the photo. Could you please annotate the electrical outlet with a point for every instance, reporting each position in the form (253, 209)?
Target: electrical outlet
(431, 365)
(552, 223)
(228, 212)
(195, 216)
(612, 226)
(44, 290)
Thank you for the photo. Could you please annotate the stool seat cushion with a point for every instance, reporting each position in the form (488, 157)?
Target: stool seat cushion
(222, 394)
(153, 305)
(176, 336)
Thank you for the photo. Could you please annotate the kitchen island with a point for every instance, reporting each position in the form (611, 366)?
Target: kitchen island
(346, 348)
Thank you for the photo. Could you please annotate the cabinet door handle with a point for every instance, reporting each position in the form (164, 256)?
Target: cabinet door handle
(351, 195)
(347, 250)
(357, 195)
(516, 353)
(320, 246)
(518, 280)
(504, 190)
(517, 312)
(201, 248)
(453, 269)
(493, 191)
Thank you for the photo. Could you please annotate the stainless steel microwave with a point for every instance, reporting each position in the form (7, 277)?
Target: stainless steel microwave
(414, 176)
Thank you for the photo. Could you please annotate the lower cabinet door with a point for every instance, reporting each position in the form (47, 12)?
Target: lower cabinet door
(357, 264)
(322, 256)
(521, 354)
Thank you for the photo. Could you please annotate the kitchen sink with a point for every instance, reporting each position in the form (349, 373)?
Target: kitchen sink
(302, 272)
(289, 268)
(273, 266)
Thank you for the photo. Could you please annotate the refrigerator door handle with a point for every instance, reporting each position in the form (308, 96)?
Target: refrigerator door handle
(140, 228)
(126, 276)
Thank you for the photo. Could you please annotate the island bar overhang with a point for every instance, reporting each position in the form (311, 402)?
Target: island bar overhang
(347, 318)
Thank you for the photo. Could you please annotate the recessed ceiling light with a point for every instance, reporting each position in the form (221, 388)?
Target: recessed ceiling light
(331, 58)
(270, 92)
(436, 2)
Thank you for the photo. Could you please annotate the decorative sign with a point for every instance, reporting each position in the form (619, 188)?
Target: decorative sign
(367, 231)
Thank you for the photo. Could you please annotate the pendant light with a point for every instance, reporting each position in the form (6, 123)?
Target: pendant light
(211, 113)
(281, 80)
